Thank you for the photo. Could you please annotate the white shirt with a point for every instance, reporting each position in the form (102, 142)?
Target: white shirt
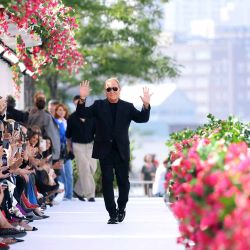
(158, 186)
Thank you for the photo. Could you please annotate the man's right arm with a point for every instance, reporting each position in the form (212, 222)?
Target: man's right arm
(69, 135)
(81, 110)
(85, 112)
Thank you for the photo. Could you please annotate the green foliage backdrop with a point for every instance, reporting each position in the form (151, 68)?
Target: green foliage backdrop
(117, 38)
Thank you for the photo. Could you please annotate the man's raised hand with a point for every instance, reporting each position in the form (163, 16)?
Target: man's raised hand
(84, 89)
(146, 97)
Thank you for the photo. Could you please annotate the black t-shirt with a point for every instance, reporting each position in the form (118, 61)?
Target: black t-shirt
(80, 131)
(113, 109)
(148, 172)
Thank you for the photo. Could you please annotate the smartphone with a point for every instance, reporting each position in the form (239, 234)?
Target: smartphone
(9, 128)
(42, 145)
(22, 136)
(19, 150)
(24, 146)
(6, 143)
(4, 160)
(16, 126)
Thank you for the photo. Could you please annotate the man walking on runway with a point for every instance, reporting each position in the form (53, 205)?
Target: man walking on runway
(111, 142)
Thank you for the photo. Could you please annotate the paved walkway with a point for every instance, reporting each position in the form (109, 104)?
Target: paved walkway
(76, 225)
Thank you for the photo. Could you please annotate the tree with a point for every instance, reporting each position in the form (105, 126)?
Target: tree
(117, 38)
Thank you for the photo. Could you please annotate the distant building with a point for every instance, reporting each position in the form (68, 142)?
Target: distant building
(182, 16)
(215, 72)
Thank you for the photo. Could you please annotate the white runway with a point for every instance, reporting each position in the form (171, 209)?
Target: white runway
(76, 225)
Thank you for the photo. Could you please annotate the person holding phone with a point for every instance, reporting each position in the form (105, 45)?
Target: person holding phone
(111, 143)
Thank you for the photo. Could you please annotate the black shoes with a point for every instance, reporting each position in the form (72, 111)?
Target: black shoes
(78, 196)
(92, 199)
(6, 232)
(121, 215)
(113, 220)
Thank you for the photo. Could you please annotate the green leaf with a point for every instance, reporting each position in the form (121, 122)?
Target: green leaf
(229, 206)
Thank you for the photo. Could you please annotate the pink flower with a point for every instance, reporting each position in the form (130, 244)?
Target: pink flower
(198, 189)
(212, 179)
(57, 32)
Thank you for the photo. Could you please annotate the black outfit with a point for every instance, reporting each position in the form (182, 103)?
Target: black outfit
(148, 173)
(17, 115)
(20, 186)
(79, 131)
(42, 182)
(111, 145)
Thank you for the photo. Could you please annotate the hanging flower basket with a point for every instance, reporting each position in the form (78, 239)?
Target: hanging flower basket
(49, 21)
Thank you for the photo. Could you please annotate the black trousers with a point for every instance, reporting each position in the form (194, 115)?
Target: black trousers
(114, 163)
(20, 186)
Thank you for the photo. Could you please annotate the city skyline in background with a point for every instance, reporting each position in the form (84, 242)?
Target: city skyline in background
(209, 39)
(194, 17)
(210, 42)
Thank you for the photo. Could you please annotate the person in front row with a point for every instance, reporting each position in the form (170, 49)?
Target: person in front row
(111, 143)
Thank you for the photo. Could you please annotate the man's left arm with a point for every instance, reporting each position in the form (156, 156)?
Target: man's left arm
(140, 116)
(143, 115)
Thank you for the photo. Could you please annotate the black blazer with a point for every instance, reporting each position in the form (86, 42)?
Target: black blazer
(106, 132)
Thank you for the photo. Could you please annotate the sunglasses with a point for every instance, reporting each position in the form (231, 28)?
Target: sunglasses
(113, 88)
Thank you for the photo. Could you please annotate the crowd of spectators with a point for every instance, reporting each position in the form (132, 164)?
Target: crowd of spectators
(32, 159)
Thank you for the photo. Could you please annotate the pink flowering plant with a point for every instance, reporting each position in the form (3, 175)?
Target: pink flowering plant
(208, 184)
(53, 24)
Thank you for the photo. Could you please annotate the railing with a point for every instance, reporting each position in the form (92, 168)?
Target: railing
(141, 188)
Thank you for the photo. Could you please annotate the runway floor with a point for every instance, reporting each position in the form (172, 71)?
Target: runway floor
(76, 225)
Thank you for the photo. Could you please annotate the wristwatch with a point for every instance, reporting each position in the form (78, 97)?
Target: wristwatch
(81, 100)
